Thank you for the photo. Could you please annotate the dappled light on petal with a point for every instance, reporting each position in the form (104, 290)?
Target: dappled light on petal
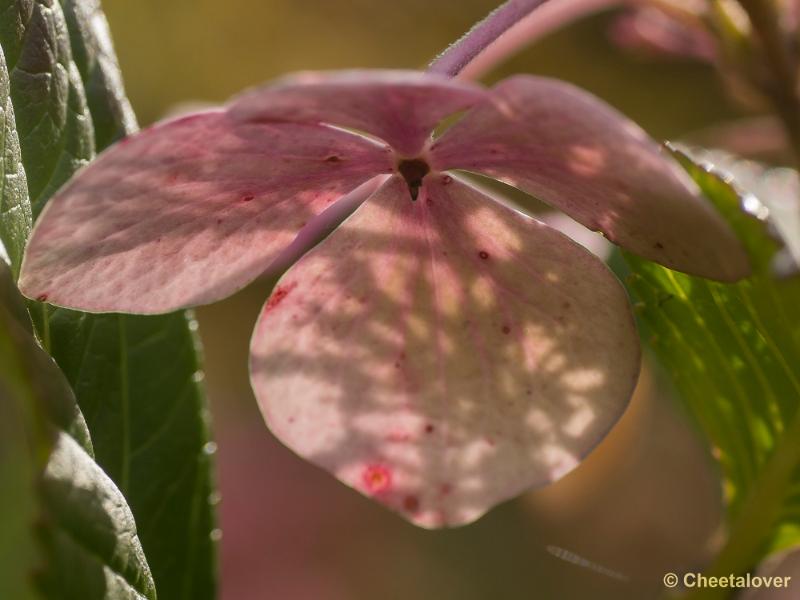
(443, 355)
(188, 212)
(400, 107)
(571, 150)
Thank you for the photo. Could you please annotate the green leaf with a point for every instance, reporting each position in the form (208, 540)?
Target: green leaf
(15, 209)
(733, 352)
(138, 382)
(24, 448)
(52, 117)
(137, 379)
(93, 53)
(72, 535)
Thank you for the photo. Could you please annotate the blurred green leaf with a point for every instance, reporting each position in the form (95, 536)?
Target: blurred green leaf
(732, 351)
(137, 379)
(24, 448)
(67, 530)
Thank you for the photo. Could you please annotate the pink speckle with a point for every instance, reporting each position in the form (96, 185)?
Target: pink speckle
(398, 436)
(41, 297)
(377, 478)
(483, 254)
(506, 329)
(278, 295)
(411, 504)
(445, 489)
(490, 442)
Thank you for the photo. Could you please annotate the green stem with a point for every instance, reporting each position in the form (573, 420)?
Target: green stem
(782, 89)
(759, 514)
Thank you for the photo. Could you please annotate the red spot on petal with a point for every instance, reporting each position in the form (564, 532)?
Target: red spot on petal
(333, 159)
(247, 198)
(429, 428)
(506, 329)
(278, 295)
(447, 180)
(219, 221)
(377, 478)
(483, 254)
(445, 489)
(41, 297)
(411, 503)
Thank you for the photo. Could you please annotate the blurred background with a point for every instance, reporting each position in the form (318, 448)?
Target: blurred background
(644, 503)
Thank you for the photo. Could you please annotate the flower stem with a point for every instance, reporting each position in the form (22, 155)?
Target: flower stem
(453, 60)
(782, 88)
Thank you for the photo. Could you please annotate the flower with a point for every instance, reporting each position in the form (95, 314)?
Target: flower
(439, 351)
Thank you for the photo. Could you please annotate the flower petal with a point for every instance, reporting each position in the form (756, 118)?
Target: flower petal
(446, 354)
(400, 107)
(571, 150)
(188, 212)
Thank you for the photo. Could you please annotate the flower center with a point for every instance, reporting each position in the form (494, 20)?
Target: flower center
(413, 171)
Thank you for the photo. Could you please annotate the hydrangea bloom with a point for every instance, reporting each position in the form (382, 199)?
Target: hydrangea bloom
(439, 351)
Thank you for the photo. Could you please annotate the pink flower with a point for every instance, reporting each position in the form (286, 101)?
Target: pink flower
(439, 351)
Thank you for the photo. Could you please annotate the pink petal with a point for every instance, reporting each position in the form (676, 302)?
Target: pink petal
(444, 355)
(571, 150)
(188, 212)
(400, 107)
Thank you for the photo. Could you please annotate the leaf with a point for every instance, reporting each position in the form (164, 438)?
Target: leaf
(733, 352)
(15, 210)
(136, 378)
(93, 53)
(24, 447)
(71, 522)
(52, 117)
(138, 382)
